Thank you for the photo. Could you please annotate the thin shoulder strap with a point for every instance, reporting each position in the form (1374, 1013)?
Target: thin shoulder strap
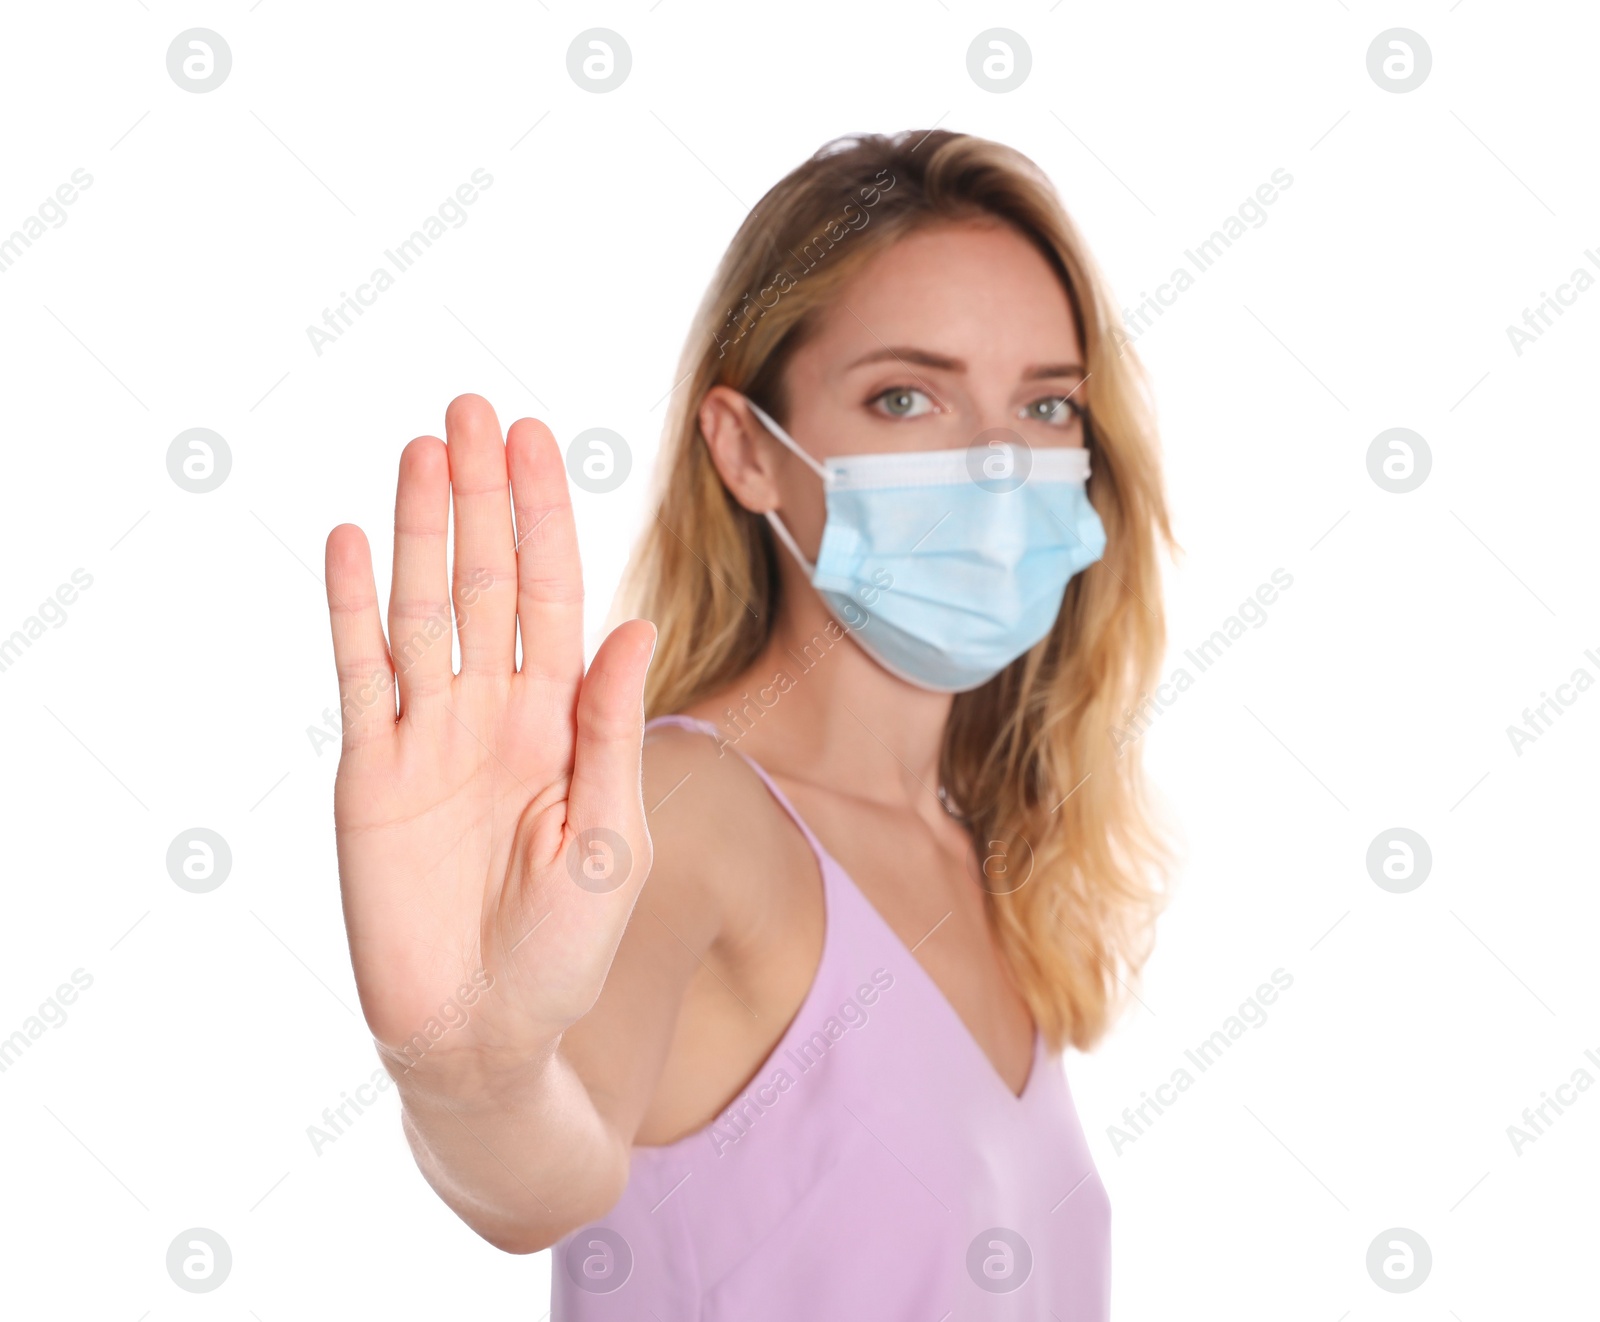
(723, 744)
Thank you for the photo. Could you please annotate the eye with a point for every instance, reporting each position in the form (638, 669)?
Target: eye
(1055, 410)
(904, 402)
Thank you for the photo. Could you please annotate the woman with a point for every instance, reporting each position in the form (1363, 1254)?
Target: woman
(760, 1015)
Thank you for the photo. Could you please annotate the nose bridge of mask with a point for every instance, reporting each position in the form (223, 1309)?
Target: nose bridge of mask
(777, 524)
(937, 467)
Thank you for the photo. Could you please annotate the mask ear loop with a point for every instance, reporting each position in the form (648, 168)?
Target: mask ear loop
(770, 423)
(820, 470)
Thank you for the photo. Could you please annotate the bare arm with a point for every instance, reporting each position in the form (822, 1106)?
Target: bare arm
(491, 833)
(502, 1151)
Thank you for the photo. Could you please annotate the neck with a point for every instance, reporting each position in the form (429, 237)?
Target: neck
(815, 706)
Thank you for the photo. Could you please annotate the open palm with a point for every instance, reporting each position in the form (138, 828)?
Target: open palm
(491, 839)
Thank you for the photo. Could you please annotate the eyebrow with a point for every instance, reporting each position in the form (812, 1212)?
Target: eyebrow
(944, 363)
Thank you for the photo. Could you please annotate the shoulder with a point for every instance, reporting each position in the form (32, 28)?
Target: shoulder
(697, 790)
(718, 836)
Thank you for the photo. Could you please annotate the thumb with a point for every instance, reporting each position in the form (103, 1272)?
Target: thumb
(605, 795)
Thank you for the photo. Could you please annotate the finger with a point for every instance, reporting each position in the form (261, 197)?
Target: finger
(420, 618)
(360, 655)
(605, 773)
(549, 578)
(485, 578)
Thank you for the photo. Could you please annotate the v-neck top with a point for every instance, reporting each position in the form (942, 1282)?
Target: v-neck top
(875, 1166)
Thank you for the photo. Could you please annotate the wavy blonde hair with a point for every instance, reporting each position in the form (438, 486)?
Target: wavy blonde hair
(1030, 756)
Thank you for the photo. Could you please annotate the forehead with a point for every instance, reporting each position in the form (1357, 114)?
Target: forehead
(975, 290)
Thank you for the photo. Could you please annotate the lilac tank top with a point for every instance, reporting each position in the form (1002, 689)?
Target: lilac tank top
(876, 1166)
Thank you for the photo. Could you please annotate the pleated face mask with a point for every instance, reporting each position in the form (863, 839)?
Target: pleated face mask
(944, 567)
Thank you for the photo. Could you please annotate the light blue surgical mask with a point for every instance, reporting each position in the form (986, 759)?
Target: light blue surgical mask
(947, 565)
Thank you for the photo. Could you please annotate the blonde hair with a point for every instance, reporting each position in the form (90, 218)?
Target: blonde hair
(1030, 756)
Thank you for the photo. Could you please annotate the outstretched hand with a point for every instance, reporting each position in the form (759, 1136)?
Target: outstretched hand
(491, 837)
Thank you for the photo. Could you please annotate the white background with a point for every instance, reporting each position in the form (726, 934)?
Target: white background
(179, 690)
